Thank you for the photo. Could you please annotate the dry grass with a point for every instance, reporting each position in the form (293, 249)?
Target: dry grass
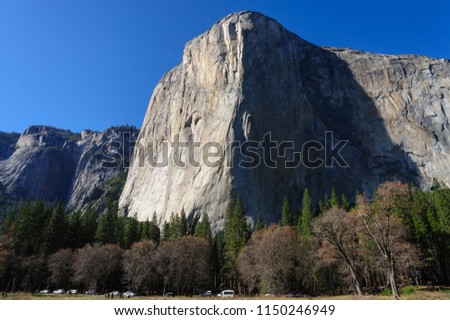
(422, 293)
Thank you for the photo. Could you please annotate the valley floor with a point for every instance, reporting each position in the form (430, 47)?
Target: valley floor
(420, 294)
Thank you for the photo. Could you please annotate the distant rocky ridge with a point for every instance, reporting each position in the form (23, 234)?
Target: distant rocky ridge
(59, 165)
(248, 76)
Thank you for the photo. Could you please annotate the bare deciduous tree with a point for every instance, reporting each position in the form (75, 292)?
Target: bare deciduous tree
(183, 264)
(95, 264)
(269, 262)
(337, 231)
(33, 271)
(139, 266)
(248, 264)
(384, 227)
(60, 267)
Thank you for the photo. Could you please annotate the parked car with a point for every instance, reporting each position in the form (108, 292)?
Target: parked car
(44, 292)
(295, 294)
(169, 294)
(206, 294)
(91, 292)
(59, 291)
(129, 294)
(226, 294)
(73, 291)
(115, 293)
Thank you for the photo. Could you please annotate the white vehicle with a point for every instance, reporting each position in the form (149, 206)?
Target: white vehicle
(129, 294)
(59, 291)
(44, 292)
(226, 294)
(73, 291)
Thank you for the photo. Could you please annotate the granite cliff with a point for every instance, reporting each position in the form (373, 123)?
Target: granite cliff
(247, 77)
(59, 165)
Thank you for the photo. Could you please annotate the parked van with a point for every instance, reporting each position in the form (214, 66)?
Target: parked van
(226, 294)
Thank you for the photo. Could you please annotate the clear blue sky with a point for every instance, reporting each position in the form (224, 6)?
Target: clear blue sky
(79, 64)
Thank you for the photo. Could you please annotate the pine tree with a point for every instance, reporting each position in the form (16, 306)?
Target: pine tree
(75, 238)
(55, 234)
(182, 224)
(241, 229)
(323, 205)
(334, 200)
(120, 230)
(441, 199)
(131, 234)
(174, 226)
(88, 226)
(166, 231)
(259, 223)
(236, 234)
(145, 230)
(286, 214)
(154, 231)
(108, 226)
(218, 259)
(140, 226)
(229, 213)
(304, 223)
(203, 229)
(28, 229)
(345, 203)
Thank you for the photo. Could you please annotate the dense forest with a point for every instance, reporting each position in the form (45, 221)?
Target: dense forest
(399, 237)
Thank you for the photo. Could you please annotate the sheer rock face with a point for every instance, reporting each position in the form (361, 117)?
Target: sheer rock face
(248, 76)
(58, 165)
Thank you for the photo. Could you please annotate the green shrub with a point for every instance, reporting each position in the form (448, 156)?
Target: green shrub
(407, 290)
(386, 292)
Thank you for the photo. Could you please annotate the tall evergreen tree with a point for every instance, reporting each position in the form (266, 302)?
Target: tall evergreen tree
(88, 226)
(108, 226)
(259, 223)
(229, 217)
(203, 229)
(28, 229)
(334, 200)
(217, 259)
(120, 231)
(174, 226)
(345, 203)
(75, 238)
(236, 234)
(441, 199)
(145, 230)
(131, 234)
(424, 222)
(55, 234)
(154, 231)
(166, 231)
(286, 214)
(182, 224)
(304, 223)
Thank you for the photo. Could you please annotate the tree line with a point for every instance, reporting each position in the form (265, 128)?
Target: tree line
(399, 237)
